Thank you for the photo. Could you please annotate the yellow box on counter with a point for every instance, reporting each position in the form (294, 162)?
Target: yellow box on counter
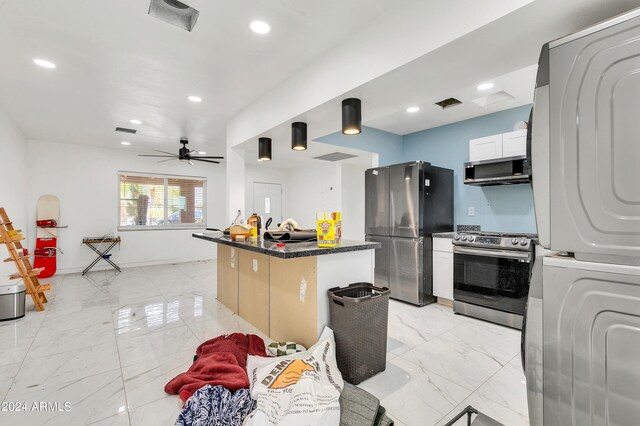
(329, 228)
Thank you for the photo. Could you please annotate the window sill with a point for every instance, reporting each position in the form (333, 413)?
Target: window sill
(160, 228)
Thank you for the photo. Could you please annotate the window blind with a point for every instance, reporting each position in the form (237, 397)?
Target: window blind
(161, 202)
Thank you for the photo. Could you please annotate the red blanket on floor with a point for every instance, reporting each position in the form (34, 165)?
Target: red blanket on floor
(221, 361)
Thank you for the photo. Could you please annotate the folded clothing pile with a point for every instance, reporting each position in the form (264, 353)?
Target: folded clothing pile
(216, 406)
(220, 361)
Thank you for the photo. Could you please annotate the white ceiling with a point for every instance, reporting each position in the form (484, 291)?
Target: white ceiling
(115, 63)
(504, 52)
(284, 157)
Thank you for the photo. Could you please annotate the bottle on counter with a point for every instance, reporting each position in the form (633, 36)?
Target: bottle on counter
(256, 222)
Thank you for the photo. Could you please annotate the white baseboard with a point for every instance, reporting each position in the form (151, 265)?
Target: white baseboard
(123, 265)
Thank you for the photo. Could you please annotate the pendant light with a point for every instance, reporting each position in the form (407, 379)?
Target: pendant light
(264, 149)
(299, 136)
(351, 116)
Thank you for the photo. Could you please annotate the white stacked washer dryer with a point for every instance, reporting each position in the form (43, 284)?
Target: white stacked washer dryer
(582, 333)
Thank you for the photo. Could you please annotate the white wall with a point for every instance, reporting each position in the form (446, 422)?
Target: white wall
(353, 202)
(313, 189)
(85, 180)
(13, 181)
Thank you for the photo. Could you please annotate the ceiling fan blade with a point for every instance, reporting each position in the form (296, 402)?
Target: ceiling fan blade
(208, 156)
(164, 152)
(205, 161)
(154, 155)
(168, 159)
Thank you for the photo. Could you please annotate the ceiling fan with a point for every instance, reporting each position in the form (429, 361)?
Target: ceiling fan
(184, 154)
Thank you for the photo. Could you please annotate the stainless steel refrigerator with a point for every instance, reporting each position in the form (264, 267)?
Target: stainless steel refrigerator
(405, 204)
(581, 336)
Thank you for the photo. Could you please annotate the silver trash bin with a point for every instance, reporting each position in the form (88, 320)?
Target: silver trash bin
(12, 299)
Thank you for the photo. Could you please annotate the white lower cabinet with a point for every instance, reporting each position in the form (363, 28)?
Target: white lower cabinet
(443, 272)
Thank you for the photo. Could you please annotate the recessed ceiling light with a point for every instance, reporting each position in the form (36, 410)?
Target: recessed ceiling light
(202, 153)
(132, 121)
(195, 98)
(260, 27)
(44, 63)
(485, 86)
(413, 109)
(125, 143)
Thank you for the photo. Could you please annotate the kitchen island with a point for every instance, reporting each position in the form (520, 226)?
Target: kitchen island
(282, 290)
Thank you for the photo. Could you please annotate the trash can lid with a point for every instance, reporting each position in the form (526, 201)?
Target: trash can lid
(12, 288)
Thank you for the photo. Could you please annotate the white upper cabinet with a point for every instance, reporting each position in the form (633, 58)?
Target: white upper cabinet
(514, 143)
(504, 145)
(485, 148)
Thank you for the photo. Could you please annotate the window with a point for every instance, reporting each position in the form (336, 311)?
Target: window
(160, 201)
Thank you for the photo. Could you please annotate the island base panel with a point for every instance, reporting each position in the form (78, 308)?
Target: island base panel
(294, 300)
(253, 294)
(227, 277)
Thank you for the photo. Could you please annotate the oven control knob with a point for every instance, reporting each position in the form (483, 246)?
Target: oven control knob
(471, 238)
(514, 241)
(523, 242)
(464, 238)
(456, 237)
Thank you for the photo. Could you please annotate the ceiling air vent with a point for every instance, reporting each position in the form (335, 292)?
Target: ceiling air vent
(493, 98)
(335, 156)
(175, 13)
(125, 130)
(448, 103)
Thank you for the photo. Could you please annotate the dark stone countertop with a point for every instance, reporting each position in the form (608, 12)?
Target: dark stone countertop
(290, 250)
(443, 234)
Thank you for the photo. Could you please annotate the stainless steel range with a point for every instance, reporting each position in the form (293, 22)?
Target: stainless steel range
(491, 275)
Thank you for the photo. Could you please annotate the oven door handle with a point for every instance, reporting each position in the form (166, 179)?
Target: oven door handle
(494, 253)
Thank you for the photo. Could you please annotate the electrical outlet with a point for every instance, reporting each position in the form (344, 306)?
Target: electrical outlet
(471, 211)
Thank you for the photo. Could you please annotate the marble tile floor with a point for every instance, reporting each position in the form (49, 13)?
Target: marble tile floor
(108, 342)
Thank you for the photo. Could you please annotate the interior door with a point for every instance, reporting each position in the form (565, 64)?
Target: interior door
(591, 343)
(267, 202)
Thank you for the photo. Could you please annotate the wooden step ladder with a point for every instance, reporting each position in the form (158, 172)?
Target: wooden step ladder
(11, 238)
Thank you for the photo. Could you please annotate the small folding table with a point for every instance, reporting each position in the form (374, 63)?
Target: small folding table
(91, 242)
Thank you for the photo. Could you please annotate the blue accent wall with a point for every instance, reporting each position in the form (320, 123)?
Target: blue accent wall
(497, 208)
(387, 145)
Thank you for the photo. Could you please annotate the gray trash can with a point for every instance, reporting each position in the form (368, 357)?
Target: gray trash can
(358, 316)
(12, 299)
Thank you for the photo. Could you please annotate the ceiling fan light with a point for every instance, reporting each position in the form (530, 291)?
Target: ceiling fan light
(264, 149)
(351, 116)
(299, 136)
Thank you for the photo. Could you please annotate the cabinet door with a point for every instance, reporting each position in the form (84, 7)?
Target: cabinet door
(486, 148)
(294, 300)
(253, 289)
(227, 277)
(442, 244)
(514, 143)
(443, 274)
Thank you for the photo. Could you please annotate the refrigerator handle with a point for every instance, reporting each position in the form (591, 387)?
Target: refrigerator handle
(523, 338)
